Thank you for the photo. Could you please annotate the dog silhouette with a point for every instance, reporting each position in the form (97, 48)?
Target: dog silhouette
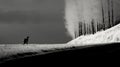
(26, 40)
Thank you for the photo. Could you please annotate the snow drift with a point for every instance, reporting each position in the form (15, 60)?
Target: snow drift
(90, 16)
(14, 51)
(108, 36)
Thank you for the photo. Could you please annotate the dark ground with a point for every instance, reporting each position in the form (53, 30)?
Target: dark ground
(76, 54)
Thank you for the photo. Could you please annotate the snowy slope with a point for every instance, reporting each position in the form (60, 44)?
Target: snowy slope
(7, 50)
(107, 36)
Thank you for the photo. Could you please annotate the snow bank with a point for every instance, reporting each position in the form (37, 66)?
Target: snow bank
(107, 36)
(7, 50)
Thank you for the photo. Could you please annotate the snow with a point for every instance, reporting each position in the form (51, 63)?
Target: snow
(7, 50)
(111, 35)
(108, 36)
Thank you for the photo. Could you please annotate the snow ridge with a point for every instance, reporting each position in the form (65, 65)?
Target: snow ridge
(108, 36)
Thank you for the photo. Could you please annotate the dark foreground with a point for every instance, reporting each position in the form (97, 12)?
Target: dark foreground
(73, 55)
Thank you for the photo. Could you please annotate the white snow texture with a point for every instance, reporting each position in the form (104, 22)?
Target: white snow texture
(108, 36)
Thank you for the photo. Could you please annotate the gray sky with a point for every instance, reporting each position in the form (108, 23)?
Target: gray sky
(42, 20)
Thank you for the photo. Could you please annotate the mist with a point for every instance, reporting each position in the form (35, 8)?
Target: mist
(90, 16)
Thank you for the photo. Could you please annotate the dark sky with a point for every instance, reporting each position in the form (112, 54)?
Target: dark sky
(42, 20)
